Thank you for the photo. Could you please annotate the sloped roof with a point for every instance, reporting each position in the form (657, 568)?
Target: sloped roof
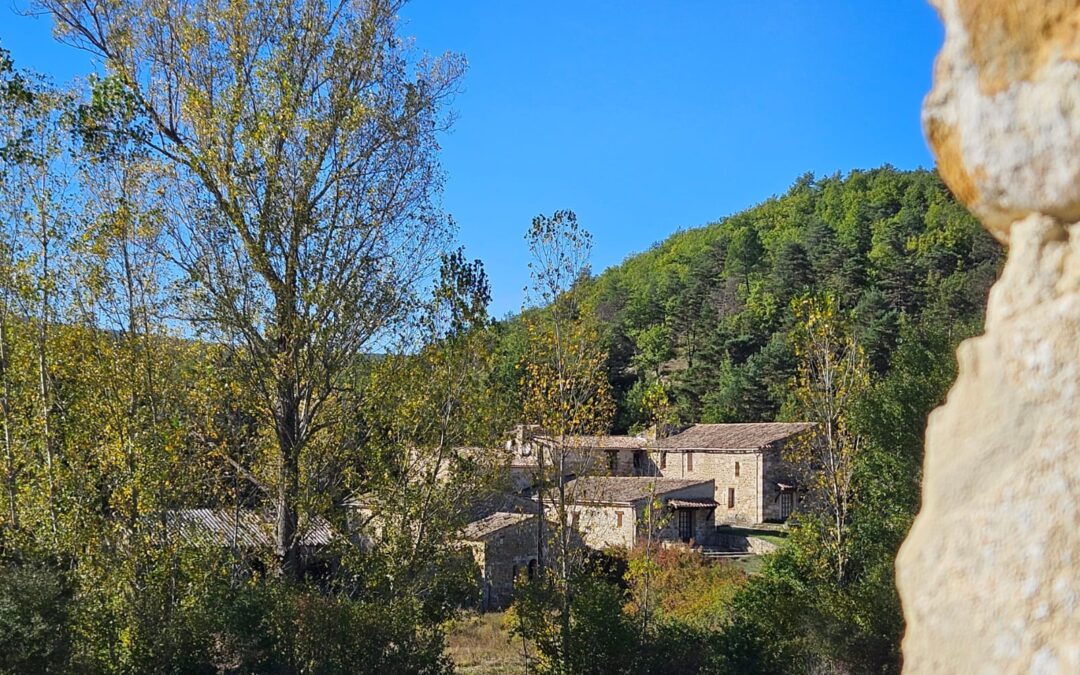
(625, 489)
(607, 442)
(693, 503)
(478, 529)
(501, 502)
(748, 436)
(243, 528)
(598, 442)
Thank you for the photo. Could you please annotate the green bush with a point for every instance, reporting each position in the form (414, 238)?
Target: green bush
(34, 604)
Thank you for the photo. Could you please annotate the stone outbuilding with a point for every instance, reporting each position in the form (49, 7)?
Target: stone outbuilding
(503, 545)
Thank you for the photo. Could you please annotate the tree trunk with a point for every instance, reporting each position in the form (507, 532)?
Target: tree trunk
(288, 436)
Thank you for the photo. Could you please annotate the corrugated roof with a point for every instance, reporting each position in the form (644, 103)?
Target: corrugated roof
(625, 489)
(243, 528)
(478, 529)
(749, 436)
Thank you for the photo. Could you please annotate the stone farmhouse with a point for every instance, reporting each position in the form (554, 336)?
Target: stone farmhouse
(751, 481)
(678, 488)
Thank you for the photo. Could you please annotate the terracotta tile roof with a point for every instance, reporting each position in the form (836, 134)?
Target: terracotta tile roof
(750, 436)
(626, 489)
(478, 529)
(693, 503)
(242, 528)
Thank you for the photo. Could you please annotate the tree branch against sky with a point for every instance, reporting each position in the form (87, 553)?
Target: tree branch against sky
(303, 137)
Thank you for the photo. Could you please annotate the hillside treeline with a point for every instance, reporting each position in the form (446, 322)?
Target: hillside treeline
(708, 311)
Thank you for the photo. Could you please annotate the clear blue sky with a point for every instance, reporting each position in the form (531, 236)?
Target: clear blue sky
(644, 117)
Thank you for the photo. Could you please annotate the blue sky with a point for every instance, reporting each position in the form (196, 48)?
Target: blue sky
(644, 117)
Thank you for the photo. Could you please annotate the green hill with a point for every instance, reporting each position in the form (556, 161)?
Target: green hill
(707, 311)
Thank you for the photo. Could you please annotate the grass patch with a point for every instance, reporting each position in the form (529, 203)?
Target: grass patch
(778, 537)
(480, 645)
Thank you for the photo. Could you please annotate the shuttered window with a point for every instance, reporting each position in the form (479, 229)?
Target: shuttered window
(663, 460)
(689, 461)
(731, 498)
(736, 469)
(618, 519)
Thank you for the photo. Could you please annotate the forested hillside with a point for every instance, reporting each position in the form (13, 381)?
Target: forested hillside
(708, 311)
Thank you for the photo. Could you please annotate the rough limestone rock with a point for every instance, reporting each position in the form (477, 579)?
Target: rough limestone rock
(1002, 117)
(990, 574)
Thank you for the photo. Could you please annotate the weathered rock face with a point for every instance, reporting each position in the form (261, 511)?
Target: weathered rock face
(1002, 117)
(990, 574)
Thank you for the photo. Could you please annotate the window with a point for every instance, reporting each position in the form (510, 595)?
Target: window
(574, 519)
(731, 498)
(532, 568)
(612, 460)
(736, 469)
(618, 519)
(689, 461)
(663, 459)
(638, 457)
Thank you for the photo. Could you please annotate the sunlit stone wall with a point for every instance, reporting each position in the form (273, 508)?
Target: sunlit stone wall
(990, 574)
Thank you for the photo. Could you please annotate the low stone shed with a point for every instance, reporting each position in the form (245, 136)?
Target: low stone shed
(503, 545)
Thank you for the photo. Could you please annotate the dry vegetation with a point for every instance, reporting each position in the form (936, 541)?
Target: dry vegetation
(480, 645)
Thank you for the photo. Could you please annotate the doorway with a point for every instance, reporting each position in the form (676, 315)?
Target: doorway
(787, 502)
(686, 524)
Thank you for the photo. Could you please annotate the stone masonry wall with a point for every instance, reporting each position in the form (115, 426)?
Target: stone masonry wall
(720, 467)
(990, 573)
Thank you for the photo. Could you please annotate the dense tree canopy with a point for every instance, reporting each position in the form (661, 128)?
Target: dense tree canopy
(708, 311)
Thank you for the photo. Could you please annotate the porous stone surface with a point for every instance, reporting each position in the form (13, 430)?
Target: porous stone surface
(1002, 116)
(990, 573)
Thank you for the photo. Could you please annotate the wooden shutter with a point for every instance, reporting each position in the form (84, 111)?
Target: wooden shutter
(689, 461)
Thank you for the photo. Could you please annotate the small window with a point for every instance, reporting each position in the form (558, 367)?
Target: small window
(731, 498)
(638, 454)
(663, 460)
(532, 569)
(574, 519)
(612, 460)
(736, 469)
(690, 461)
(618, 519)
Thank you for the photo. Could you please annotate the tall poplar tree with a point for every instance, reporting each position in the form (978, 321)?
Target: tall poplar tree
(302, 141)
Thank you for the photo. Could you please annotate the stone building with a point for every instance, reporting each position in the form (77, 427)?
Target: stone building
(614, 510)
(745, 462)
(753, 484)
(503, 545)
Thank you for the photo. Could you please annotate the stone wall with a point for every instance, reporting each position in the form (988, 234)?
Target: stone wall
(990, 573)
(499, 557)
(720, 467)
